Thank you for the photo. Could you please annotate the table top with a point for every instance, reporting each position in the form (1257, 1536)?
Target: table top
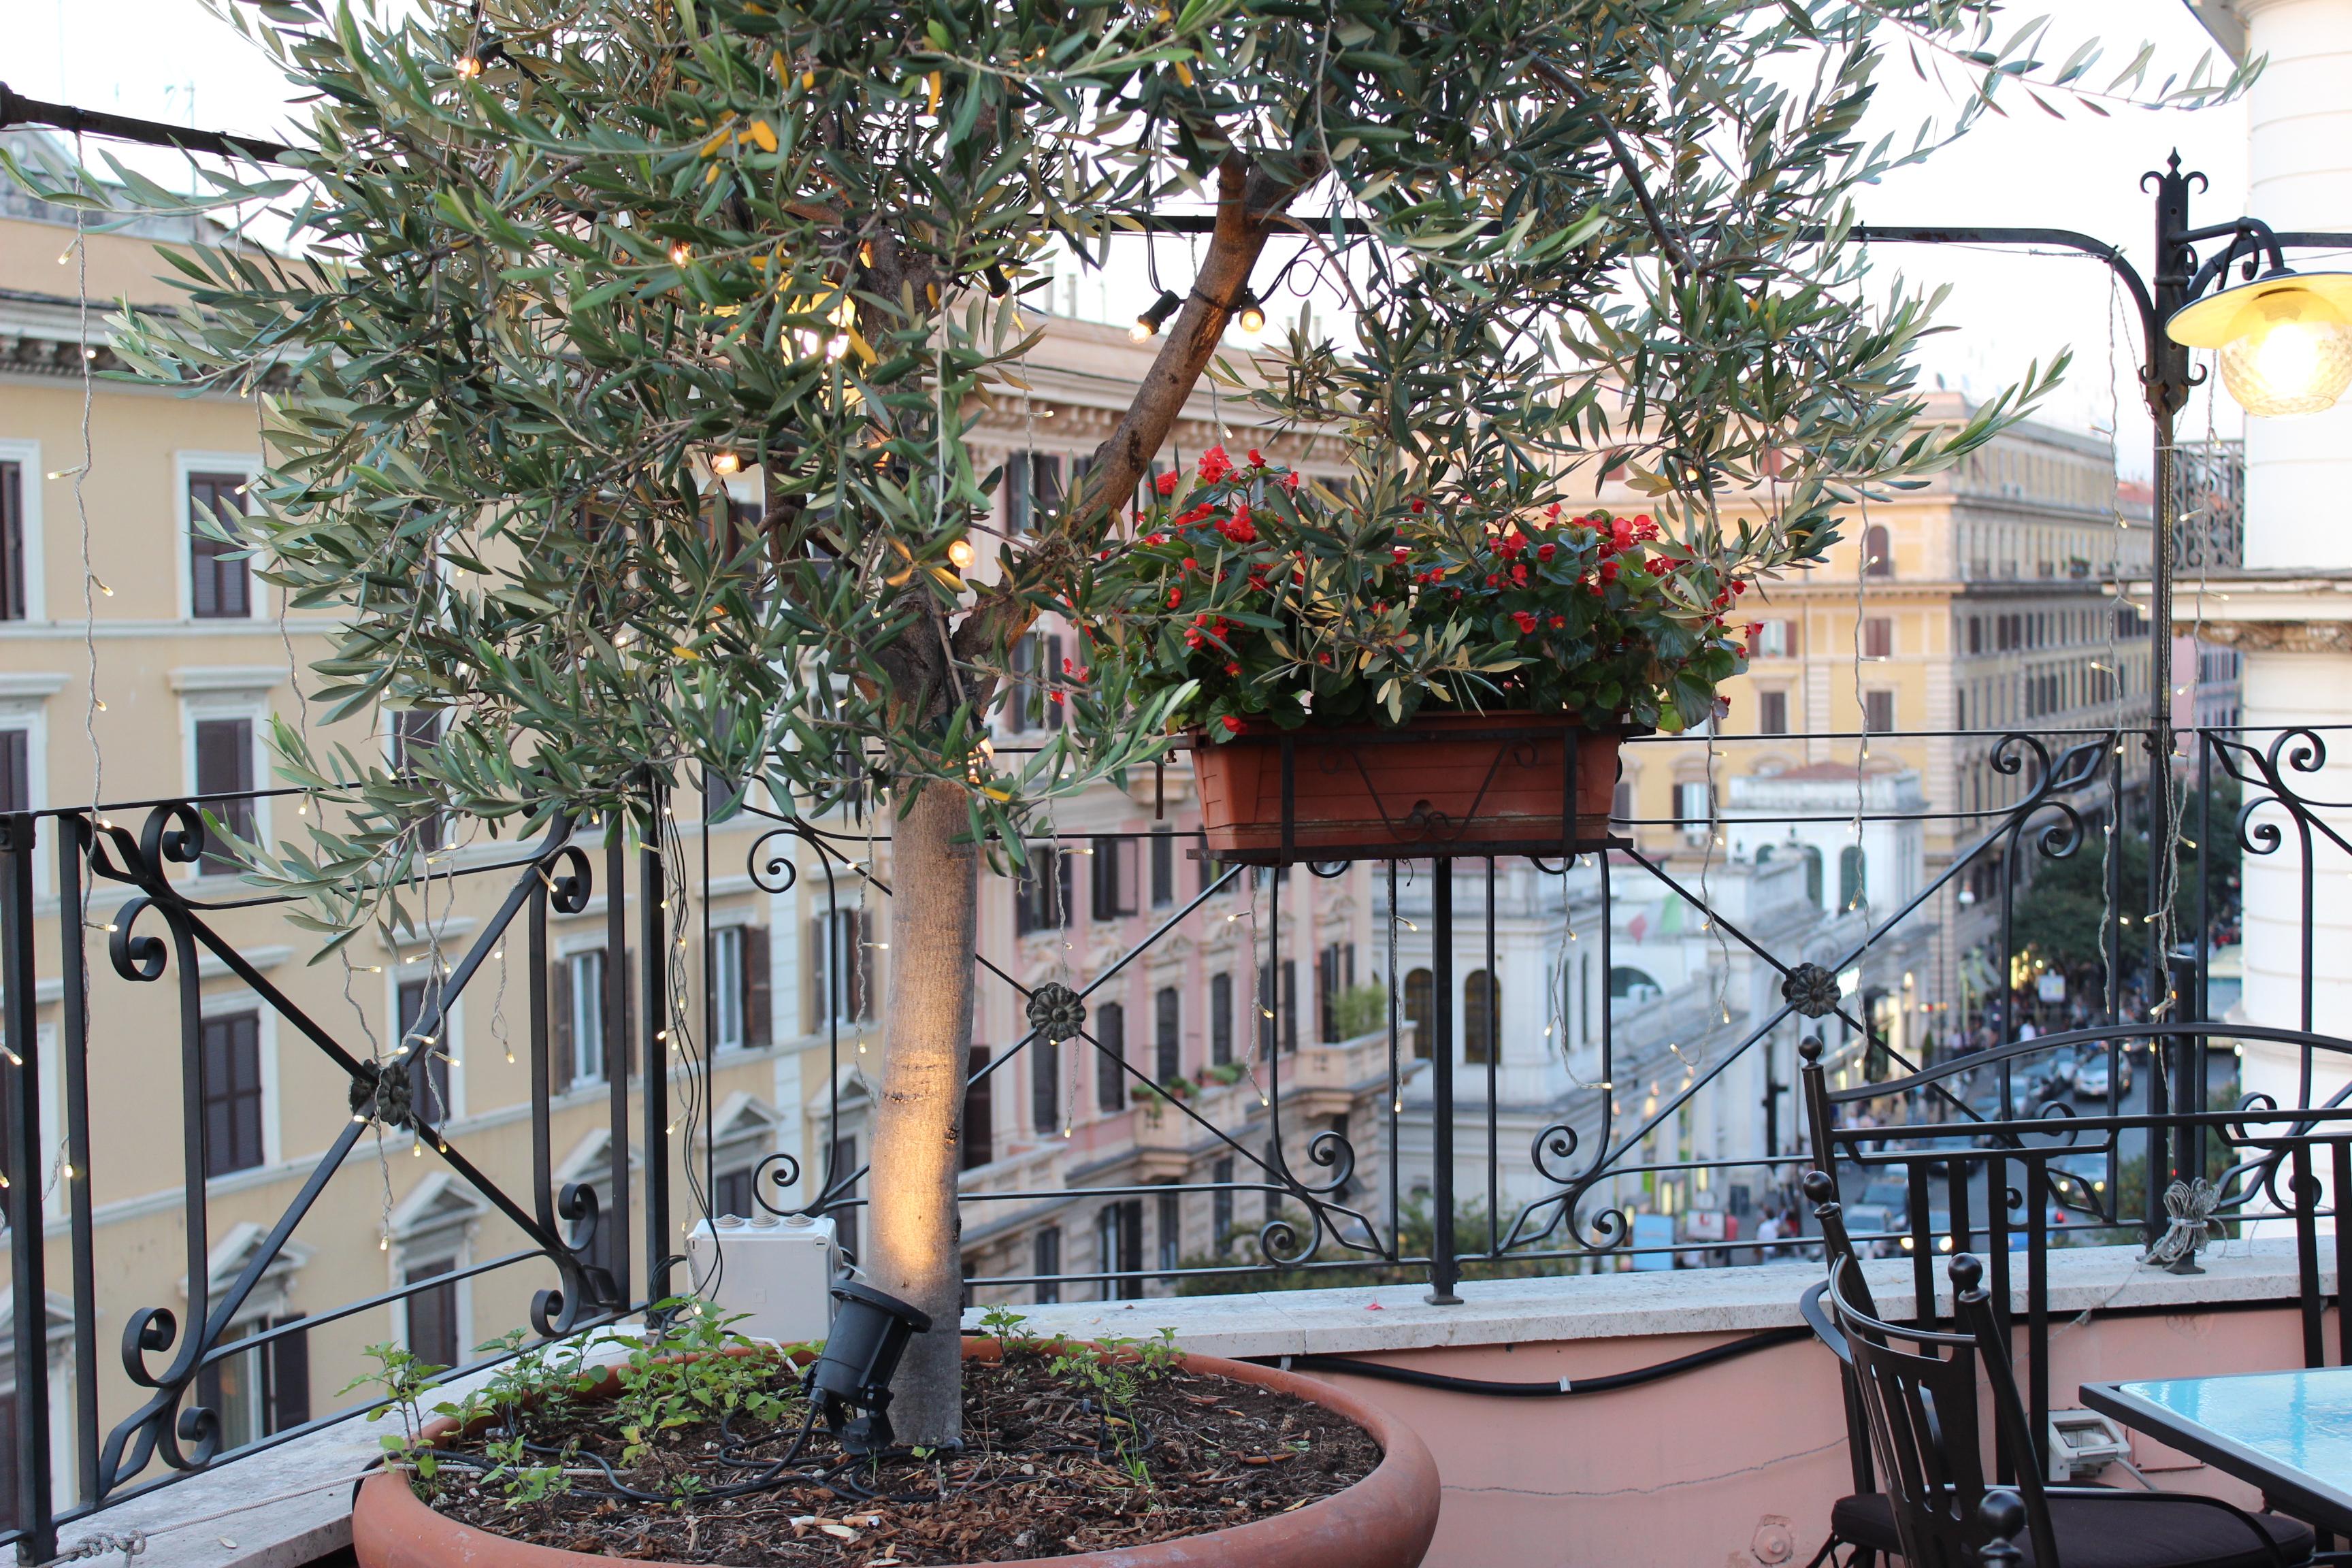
(2289, 1433)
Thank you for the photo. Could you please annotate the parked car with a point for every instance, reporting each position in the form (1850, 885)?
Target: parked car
(2091, 1077)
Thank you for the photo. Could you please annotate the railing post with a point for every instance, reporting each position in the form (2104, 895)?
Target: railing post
(617, 1052)
(655, 958)
(1445, 1271)
(36, 1507)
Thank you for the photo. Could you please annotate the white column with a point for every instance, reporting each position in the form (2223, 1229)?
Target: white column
(2298, 481)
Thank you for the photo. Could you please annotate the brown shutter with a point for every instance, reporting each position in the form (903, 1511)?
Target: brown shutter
(12, 541)
(759, 1024)
(558, 1033)
(813, 994)
(289, 1377)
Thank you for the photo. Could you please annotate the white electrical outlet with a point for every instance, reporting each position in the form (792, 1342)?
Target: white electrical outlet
(775, 1274)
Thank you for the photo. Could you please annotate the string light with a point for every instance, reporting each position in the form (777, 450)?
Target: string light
(961, 554)
(1252, 316)
(724, 463)
(1155, 316)
(681, 253)
(469, 65)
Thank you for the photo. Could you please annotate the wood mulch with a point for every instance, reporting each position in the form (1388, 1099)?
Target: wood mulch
(1045, 1471)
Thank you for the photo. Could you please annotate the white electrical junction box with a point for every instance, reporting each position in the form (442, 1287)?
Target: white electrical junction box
(773, 1273)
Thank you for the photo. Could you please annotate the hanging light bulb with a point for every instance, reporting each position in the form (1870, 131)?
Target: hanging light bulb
(469, 65)
(680, 253)
(2284, 340)
(1155, 316)
(726, 462)
(962, 554)
(1252, 317)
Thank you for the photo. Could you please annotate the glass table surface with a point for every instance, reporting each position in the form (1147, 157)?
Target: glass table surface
(2298, 1420)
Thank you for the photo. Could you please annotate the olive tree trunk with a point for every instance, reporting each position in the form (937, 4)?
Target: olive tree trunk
(914, 1249)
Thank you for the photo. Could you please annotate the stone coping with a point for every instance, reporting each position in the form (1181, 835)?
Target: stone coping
(1618, 1306)
(291, 1504)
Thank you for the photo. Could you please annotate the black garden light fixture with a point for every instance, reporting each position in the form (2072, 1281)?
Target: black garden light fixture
(1155, 316)
(851, 1381)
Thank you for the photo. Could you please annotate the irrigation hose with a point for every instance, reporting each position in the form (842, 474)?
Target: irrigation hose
(1605, 1383)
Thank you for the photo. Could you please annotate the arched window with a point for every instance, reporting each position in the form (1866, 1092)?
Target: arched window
(1420, 1010)
(1813, 873)
(1877, 551)
(1630, 987)
(1620, 802)
(1763, 854)
(1481, 1018)
(1854, 878)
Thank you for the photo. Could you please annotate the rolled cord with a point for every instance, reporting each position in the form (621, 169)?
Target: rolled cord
(1605, 1383)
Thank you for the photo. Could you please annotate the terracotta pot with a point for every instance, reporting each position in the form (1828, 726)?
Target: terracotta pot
(1384, 1520)
(1486, 784)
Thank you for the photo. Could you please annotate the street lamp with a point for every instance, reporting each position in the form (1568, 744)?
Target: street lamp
(2285, 340)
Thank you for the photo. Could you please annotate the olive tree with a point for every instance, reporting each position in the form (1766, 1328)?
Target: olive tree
(560, 265)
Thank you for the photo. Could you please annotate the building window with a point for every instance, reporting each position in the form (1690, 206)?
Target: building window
(1044, 1084)
(1421, 1011)
(230, 1050)
(841, 968)
(1167, 1039)
(730, 1192)
(1878, 713)
(1854, 878)
(224, 768)
(1220, 1019)
(1029, 696)
(1776, 639)
(1114, 876)
(1045, 1263)
(1277, 1002)
(1221, 1205)
(1110, 1038)
(1163, 867)
(15, 770)
(1033, 489)
(1694, 809)
(580, 1017)
(1772, 713)
(1877, 551)
(1878, 637)
(1041, 894)
(414, 732)
(263, 1391)
(1171, 1232)
(414, 998)
(1334, 971)
(737, 1005)
(979, 1111)
(12, 541)
(1481, 1018)
(1119, 1242)
(1620, 802)
(433, 1311)
(842, 1188)
(220, 581)
(1976, 634)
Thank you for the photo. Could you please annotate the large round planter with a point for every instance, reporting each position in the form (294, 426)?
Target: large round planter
(1384, 1520)
(1489, 784)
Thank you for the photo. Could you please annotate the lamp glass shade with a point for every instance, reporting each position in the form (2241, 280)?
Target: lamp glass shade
(2285, 341)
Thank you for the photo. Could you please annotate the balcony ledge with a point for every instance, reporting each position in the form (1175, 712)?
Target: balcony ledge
(286, 1530)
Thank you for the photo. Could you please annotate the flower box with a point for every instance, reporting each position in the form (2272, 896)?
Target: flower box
(1469, 783)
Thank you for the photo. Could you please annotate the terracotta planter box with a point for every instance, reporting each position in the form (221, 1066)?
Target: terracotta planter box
(1384, 1520)
(1475, 784)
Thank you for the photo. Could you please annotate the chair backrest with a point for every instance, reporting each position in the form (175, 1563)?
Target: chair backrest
(1917, 1389)
(1845, 1272)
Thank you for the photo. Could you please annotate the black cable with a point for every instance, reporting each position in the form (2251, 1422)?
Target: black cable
(1601, 1385)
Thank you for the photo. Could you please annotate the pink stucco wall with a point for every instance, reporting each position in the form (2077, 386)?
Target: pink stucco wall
(1734, 1464)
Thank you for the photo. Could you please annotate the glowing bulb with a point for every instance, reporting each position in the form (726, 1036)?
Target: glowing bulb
(2285, 340)
(681, 253)
(469, 65)
(962, 554)
(1252, 320)
(724, 463)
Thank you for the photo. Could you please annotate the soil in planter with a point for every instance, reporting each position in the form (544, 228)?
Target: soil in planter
(1045, 1471)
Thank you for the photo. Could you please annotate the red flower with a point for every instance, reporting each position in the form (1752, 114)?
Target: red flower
(1055, 696)
(1402, 554)
(1737, 588)
(1256, 461)
(1175, 597)
(1215, 465)
(1546, 551)
(1493, 579)
(1527, 621)
(1155, 538)
(1753, 630)
(1168, 484)
(1191, 564)
(1232, 669)
(1558, 621)
(1519, 572)
(1233, 724)
(1417, 504)
(1238, 528)
(1290, 483)
(1609, 571)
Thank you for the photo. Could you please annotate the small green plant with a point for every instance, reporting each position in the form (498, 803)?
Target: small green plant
(682, 1373)
(1008, 1327)
(1114, 1373)
(403, 1375)
(1223, 1073)
(1361, 1010)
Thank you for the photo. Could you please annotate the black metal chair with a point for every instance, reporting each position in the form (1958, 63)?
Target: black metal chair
(1918, 1392)
(1856, 1521)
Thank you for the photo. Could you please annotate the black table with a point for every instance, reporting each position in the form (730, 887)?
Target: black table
(2288, 1433)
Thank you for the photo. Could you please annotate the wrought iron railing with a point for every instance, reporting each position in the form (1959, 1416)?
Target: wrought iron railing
(1551, 1138)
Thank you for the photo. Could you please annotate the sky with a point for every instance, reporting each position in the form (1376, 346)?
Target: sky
(169, 59)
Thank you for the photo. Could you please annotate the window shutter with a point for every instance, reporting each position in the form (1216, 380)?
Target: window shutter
(289, 1377)
(15, 771)
(759, 1024)
(12, 541)
(559, 1034)
(816, 1000)
(1044, 1084)
(979, 1111)
(1051, 681)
